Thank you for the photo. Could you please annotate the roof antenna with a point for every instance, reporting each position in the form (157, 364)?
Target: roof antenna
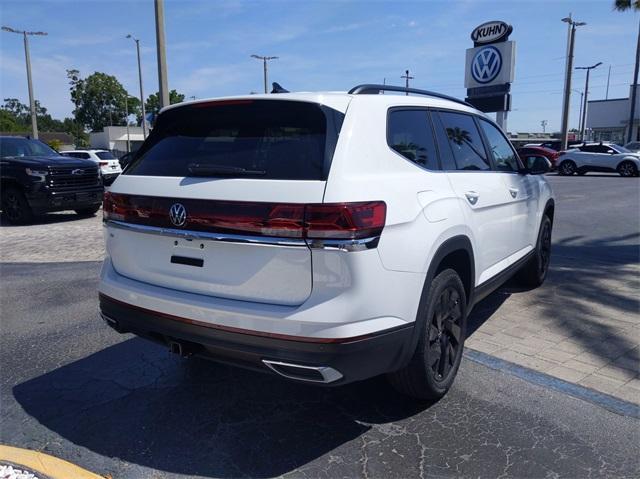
(277, 88)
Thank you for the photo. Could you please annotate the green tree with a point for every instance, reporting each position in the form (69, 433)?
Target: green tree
(99, 100)
(152, 105)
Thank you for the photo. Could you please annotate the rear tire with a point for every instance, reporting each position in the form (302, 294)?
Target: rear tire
(627, 169)
(534, 272)
(88, 211)
(567, 168)
(435, 362)
(15, 206)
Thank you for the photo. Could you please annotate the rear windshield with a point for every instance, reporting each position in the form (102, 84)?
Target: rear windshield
(269, 139)
(105, 155)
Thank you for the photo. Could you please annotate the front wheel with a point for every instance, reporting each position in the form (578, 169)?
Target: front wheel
(434, 364)
(534, 272)
(627, 169)
(15, 206)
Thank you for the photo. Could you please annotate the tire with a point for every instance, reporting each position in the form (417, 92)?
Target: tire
(567, 168)
(15, 206)
(627, 169)
(88, 211)
(534, 272)
(435, 362)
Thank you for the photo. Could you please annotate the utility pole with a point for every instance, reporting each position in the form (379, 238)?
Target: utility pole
(634, 88)
(144, 119)
(163, 93)
(264, 66)
(126, 119)
(567, 81)
(579, 109)
(406, 80)
(586, 97)
(27, 56)
(606, 96)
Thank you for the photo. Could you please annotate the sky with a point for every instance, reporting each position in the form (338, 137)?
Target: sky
(321, 45)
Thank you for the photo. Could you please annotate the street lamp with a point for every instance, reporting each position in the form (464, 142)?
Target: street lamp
(586, 96)
(580, 108)
(264, 62)
(32, 101)
(144, 124)
(567, 81)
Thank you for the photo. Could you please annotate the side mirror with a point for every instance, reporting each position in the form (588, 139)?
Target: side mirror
(536, 165)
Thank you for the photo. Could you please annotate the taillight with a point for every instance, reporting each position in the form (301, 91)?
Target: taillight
(290, 220)
(103, 163)
(345, 220)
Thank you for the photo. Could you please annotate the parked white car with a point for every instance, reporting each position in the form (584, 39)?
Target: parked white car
(601, 157)
(324, 237)
(109, 164)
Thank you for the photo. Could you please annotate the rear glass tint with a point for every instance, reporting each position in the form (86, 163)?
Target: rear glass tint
(105, 155)
(264, 139)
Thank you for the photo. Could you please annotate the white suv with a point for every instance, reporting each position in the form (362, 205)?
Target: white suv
(326, 237)
(109, 164)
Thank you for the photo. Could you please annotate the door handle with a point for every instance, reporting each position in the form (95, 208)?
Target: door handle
(514, 192)
(472, 197)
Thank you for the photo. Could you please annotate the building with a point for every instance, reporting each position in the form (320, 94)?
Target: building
(608, 120)
(114, 139)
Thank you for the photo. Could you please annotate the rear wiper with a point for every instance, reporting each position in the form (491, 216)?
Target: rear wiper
(196, 169)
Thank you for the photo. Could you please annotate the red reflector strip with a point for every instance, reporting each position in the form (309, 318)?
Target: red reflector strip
(290, 220)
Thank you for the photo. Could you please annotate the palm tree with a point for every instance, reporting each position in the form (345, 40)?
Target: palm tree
(621, 6)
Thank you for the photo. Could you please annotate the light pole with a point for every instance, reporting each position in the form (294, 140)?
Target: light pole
(579, 108)
(634, 88)
(264, 63)
(32, 101)
(586, 98)
(567, 81)
(144, 119)
(163, 92)
(406, 80)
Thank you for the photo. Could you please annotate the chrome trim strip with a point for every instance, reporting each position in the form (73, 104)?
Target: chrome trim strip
(328, 374)
(344, 244)
(202, 235)
(326, 244)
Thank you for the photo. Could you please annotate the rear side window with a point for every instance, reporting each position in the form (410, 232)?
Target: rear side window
(263, 139)
(105, 155)
(465, 141)
(504, 158)
(410, 134)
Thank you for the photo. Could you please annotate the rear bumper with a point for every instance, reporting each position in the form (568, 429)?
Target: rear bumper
(353, 359)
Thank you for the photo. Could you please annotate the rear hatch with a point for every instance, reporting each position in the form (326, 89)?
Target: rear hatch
(109, 164)
(213, 203)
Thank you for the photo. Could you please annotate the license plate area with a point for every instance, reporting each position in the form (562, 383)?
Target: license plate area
(187, 261)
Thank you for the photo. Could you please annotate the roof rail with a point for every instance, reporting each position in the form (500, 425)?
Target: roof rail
(372, 89)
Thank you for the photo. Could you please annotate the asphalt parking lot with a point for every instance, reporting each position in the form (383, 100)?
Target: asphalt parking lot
(118, 405)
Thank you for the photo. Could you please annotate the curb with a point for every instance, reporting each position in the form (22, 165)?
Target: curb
(613, 404)
(47, 465)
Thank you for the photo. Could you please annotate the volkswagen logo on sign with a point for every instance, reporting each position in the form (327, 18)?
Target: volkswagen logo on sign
(178, 214)
(486, 64)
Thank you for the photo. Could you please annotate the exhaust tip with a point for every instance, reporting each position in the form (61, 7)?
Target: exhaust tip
(299, 372)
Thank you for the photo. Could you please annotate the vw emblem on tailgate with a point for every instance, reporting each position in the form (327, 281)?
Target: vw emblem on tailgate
(178, 214)
(486, 64)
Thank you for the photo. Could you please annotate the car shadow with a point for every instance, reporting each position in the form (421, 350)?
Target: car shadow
(196, 417)
(47, 219)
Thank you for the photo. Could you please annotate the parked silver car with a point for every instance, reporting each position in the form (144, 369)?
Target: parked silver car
(601, 157)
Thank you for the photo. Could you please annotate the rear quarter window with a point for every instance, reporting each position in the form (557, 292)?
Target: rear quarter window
(262, 139)
(409, 133)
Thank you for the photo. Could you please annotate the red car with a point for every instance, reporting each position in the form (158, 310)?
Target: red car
(548, 153)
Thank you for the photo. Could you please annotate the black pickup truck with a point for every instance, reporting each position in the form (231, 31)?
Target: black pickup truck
(35, 179)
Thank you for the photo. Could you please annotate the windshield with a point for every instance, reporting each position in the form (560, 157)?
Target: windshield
(267, 139)
(24, 147)
(105, 155)
(620, 149)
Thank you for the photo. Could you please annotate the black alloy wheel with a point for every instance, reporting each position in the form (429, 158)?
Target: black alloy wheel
(445, 331)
